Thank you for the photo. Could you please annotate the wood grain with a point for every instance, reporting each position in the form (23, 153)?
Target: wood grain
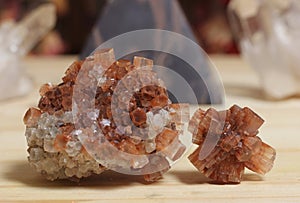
(19, 183)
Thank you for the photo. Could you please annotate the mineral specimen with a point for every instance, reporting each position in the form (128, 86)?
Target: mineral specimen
(228, 143)
(71, 133)
(17, 39)
(268, 33)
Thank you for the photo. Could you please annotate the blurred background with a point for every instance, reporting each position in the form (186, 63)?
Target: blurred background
(76, 18)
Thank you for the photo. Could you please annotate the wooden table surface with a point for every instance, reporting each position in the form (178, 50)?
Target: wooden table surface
(19, 183)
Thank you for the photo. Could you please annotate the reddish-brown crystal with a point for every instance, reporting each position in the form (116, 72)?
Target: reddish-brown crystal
(260, 161)
(142, 62)
(160, 100)
(104, 57)
(45, 88)
(237, 146)
(31, 117)
(165, 138)
(138, 117)
(126, 145)
(155, 163)
(61, 140)
(72, 71)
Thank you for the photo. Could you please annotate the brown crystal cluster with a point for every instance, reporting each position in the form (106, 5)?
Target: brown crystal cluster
(146, 123)
(228, 143)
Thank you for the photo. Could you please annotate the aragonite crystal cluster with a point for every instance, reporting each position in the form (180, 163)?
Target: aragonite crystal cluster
(228, 143)
(145, 124)
(114, 114)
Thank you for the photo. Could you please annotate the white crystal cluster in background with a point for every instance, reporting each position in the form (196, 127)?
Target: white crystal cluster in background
(16, 40)
(269, 37)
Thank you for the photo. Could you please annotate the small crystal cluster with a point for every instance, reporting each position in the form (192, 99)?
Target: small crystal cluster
(228, 143)
(144, 124)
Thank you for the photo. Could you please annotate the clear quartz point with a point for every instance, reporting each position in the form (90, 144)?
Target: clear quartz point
(24, 35)
(17, 39)
(268, 33)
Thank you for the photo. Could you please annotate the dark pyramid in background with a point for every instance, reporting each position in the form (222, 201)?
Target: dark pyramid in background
(121, 16)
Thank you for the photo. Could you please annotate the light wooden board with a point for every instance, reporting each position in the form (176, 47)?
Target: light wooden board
(19, 183)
